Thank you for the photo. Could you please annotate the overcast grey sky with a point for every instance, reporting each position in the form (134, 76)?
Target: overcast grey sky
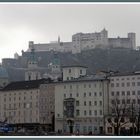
(42, 23)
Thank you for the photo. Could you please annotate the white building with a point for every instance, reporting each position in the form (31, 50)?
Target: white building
(73, 72)
(125, 90)
(27, 102)
(80, 105)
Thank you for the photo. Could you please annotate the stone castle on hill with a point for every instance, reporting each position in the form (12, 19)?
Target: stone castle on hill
(86, 41)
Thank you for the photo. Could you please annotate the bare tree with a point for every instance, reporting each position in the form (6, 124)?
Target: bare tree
(135, 116)
(118, 114)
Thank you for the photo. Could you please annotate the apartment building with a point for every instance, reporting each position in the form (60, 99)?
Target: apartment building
(80, 105)
(124, 93)
(28, 102)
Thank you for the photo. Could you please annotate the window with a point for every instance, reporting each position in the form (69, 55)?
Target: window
(64, 95)
(133, 78)
(85, 113)
(84, 85)
(101, 113)
(70, 95)
(77, 86)
(134, 101)
(9, 106)
(70, 86)
(85, 103)
(67, 78)
(90, 112)
(69, 70)
(138, 101)
(100, 103)
(89, 93)
(112, 101)
(123, 85)
(84, 94)
(14, 106)
(138, 92)
(95, 94)
(89, 85)
(118, 101)
(133, 83)
(24, 105)
(123, 101)
(89, 103)
(77, 103)
(117, 84)
(128, 101)
(118, 93)
(133, 92)
(112, 84)
(138, 83)
(112, 93)
(123, 93)
(95, 112)
(128, 93)
(77, 112)
(80, 71)
(128, 84)
(100, 93)
(95, 103)
(64, 87)
(77, 94)
(109, 129)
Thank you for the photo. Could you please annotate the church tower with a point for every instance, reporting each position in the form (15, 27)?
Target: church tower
(32, 72)
(56, 64)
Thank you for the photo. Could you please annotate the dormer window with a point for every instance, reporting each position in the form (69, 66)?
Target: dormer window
(80, 71)
(69, 70)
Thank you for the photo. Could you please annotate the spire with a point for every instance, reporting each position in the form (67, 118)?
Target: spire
(58, 39)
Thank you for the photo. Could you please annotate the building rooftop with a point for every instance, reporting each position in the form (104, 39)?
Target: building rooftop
(21, 85)
(86, 79)
(124, 74)
(69, 66)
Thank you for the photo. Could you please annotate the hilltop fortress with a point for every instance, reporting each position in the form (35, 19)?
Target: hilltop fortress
(85, 41)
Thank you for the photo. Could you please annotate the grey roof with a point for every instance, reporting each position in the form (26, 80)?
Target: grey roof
(86, 79)
(125, 74)
(68, 66)
(21, 85)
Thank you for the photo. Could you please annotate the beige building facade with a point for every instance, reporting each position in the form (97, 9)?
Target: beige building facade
(124, 92)
(73, 72)
(27, 102)
(80, 106)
